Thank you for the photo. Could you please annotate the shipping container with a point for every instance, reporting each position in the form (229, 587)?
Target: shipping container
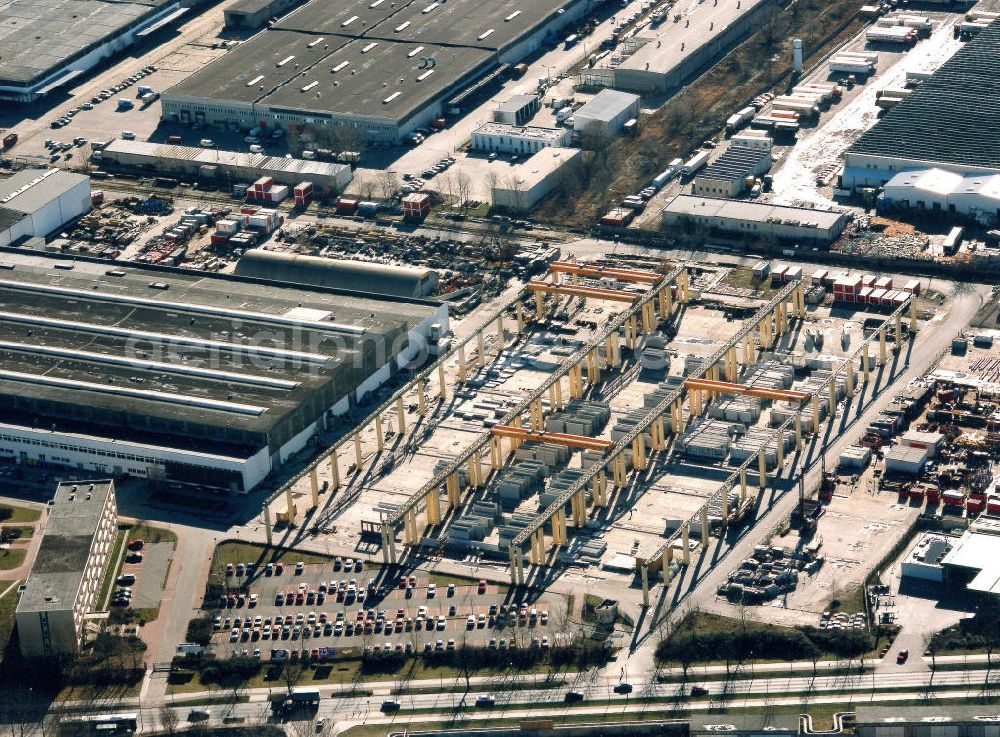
(9, 140)
(346, 205)
(695, 163)
(416, 206)
(740, 118)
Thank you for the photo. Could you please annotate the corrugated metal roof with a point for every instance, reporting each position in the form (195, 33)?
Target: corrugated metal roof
(606, 105)
(951, 118)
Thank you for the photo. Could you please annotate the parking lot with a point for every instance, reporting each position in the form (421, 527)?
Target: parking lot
(299, 610)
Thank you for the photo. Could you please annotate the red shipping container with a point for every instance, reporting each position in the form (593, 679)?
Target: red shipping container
(263, 184)
(416, 205)
(993, 505)
(973, 506)
(933, 495)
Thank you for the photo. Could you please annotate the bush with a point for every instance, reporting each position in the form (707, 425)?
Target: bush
(200, 630)
(231, 671)
(755, 641)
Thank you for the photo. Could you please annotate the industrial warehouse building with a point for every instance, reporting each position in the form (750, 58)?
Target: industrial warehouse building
(39, 202)
(517, 110)
(939, 190)
(529, 182)
(727, 175)
(256, 13)
(335, 273)
(65, 578)
(45, 44)
(607, 112)
(208, 164)
(947, 123)
(737, 218)
(176, 376)
(660, 59)
(951, 720)
(378, 69)
(513, 139)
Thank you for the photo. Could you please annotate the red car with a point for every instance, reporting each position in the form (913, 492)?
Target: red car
(482, 587)
(135, 544)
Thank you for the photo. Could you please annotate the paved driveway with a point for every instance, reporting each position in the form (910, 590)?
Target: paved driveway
(149, 583)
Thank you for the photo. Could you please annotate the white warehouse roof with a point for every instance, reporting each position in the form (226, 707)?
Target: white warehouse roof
(32, 189)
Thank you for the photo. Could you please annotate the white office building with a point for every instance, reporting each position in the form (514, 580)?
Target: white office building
(65, 579)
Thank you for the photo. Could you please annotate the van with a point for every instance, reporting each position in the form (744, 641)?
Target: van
(128, 135)
(207, 143)
(199, 715)
(255, 149)
(309, 155)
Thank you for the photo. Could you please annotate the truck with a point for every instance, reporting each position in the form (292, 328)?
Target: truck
(9, 140)
(148, 99)
(125, 104)
(695, 163)
(570, 41)
(302, 698)
(850, 66)
(518, 71)
(892, 35)
(804, 108)
(142, 89)
(740, 118)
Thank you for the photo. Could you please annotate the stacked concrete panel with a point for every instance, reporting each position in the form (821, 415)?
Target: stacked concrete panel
(580, 418)
(745, 410)
(474, 525)
(769, 375)
(552, 456)
(755, 439)
(444, 463)
(705, 438)
(520, 481)
(512, 527)
(559, 483)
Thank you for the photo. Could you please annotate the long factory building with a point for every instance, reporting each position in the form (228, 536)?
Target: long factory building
(46, 44)
(661, 58)
(382, 68)
(181, 377)
(948, 123)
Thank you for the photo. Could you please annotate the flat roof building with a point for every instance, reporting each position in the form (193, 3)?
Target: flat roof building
(948, 122)
(517, 140)
(65, 578)
(517, 110)
(181, 377)
(755, 219)
(661, 59)
(48, 43)
(256, 13)
(607, 112)
(951, 720)
(382, 69)
(529, 182)
(39, 202)
(210, 163)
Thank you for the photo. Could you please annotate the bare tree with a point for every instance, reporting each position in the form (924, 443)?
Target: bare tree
(492, 181)
(169, 720)
(290, 675)
(388, 184)
(518, 196)
(463, 186)
(362, 182)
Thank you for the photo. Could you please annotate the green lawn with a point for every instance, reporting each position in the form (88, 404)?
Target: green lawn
(150, 534)
(10, 514)
(112, 571)
(12, 558)
(349, 671)
(7, 605)
(22, 532)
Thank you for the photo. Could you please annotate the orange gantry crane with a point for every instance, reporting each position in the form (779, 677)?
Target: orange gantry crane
(726, 387)
(559, 438)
